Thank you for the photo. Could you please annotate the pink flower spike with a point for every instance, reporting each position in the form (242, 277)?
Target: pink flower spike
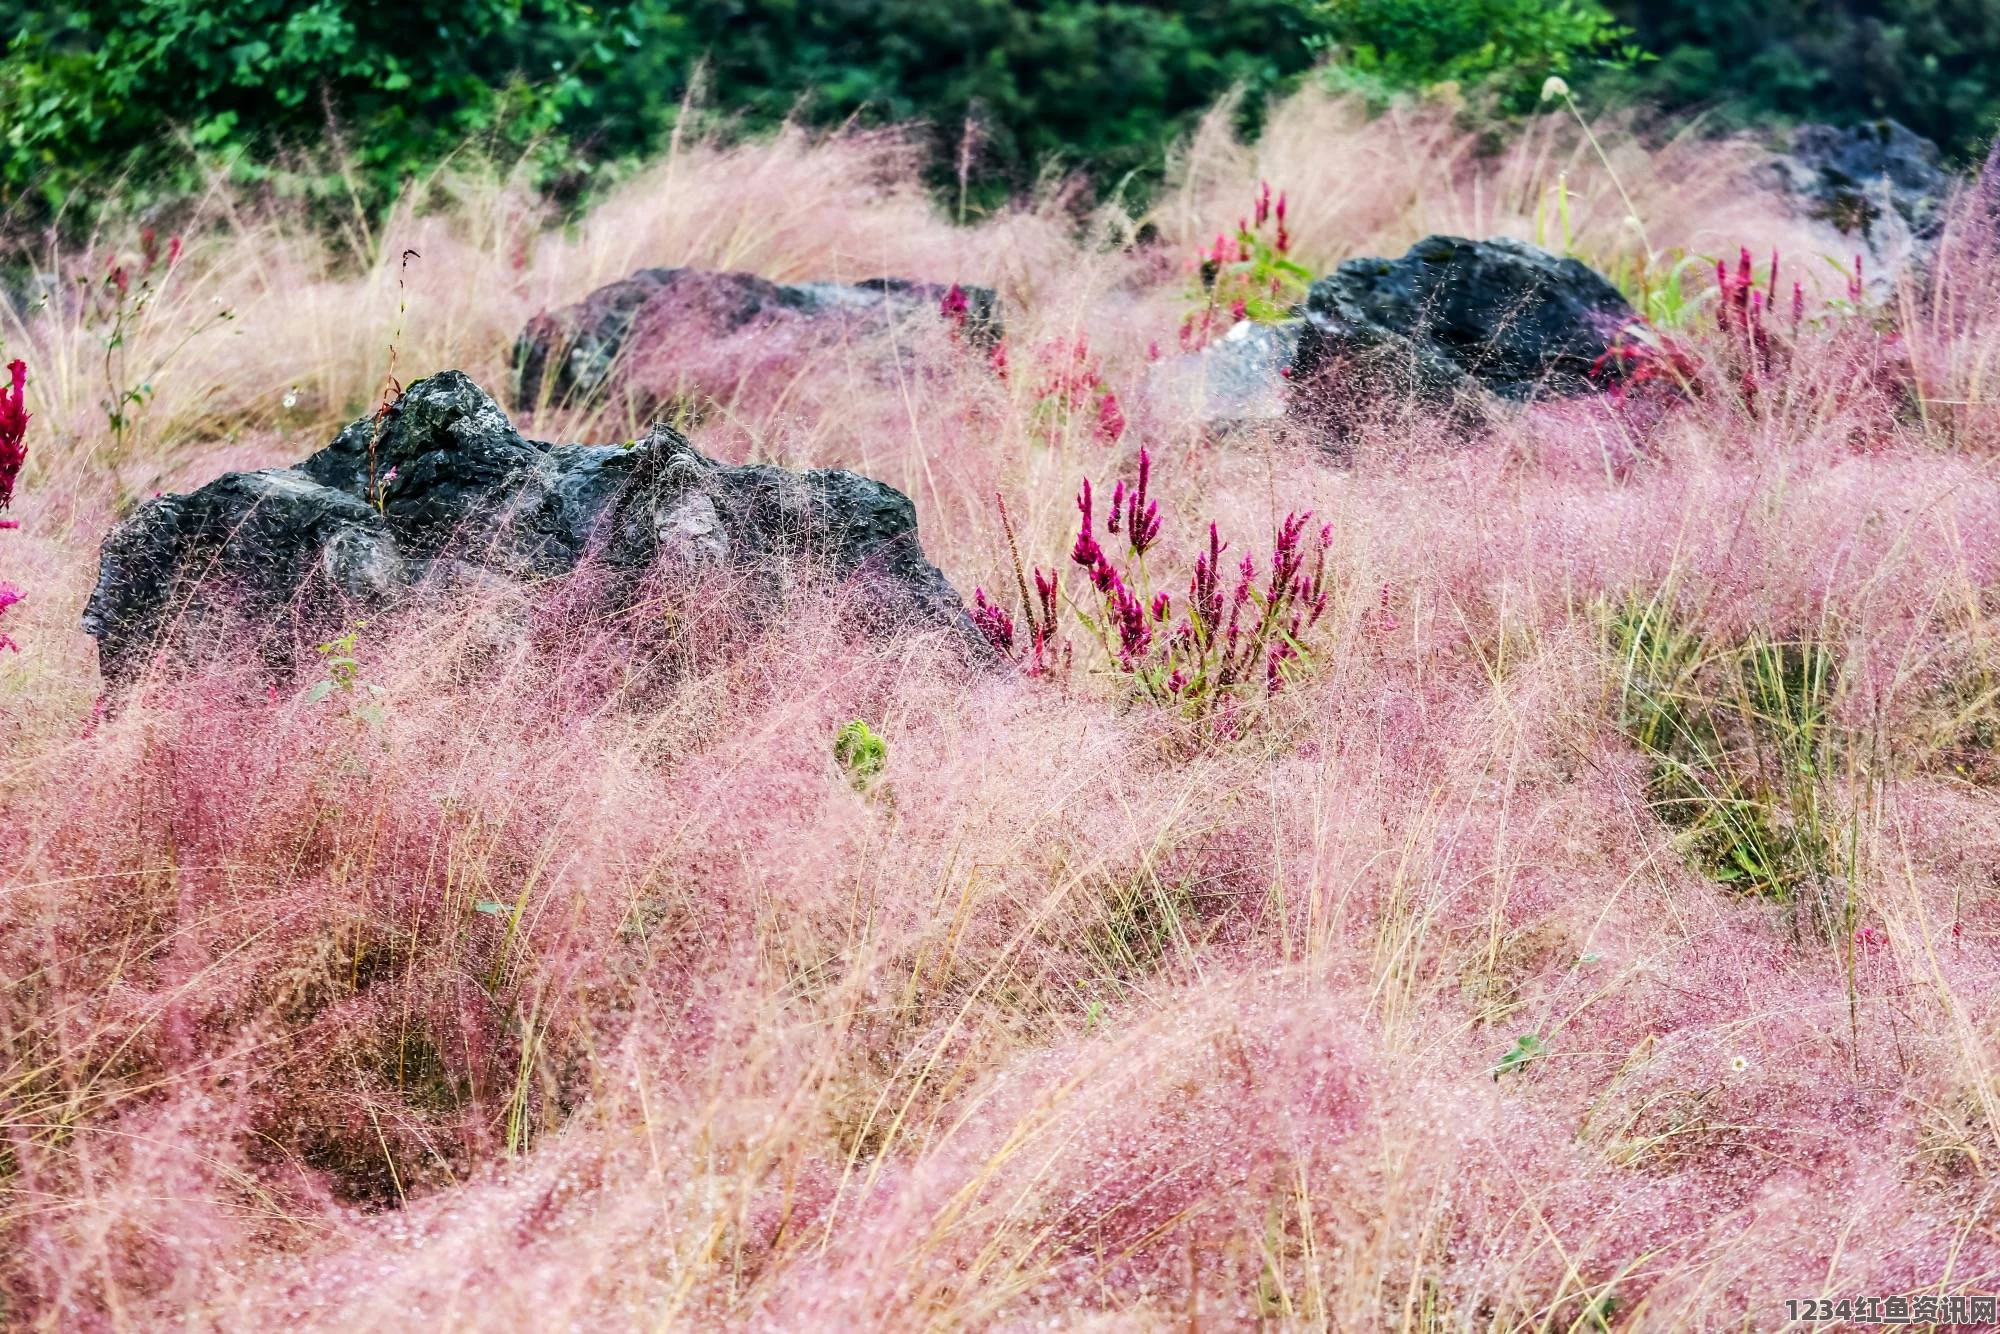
(1045, 593)
(1086, 552)
(1135, 632)
(954, 308)
(9, 595)
(1117, 514)
(1110, 418)
(993, 622)
(1142, 519)
(13, 429)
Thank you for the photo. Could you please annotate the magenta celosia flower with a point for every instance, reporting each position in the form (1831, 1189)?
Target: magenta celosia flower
(1110, 418)
(954, 307)
(1142, 516)
(1106, 577)
(1045, 593)
(1163, 607)
(13, 429)
(1246, 576)
(1274, 674)
(1117, 515)
(1135, 631)
(1205, 587)
(9, 595)
(993, 622)
(1263, 202)
(1287, 555)
(1086, 552)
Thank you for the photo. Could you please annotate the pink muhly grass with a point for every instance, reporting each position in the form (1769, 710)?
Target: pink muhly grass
(572, 988)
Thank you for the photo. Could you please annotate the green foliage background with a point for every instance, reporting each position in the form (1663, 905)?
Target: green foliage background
(153, 89)
(1932, 64)
(346, 99)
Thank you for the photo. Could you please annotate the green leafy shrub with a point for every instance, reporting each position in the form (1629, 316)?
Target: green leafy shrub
(861, 752)
(91, 88)
(1932, 64)
(345, 100)
(1508, 46)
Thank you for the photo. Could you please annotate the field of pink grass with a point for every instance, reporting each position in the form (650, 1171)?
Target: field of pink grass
(518, 996)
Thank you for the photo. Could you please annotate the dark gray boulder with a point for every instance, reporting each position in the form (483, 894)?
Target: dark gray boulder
(666, 330)
(453, 492)
(1867, 179)
(248, 551)
(1453, 316)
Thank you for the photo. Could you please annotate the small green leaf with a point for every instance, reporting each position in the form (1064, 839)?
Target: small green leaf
(492, 909)
(1525, 1049)
(861, 751)
(318, 691)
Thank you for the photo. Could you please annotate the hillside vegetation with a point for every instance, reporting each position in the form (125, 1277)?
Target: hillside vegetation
(1592, 925)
